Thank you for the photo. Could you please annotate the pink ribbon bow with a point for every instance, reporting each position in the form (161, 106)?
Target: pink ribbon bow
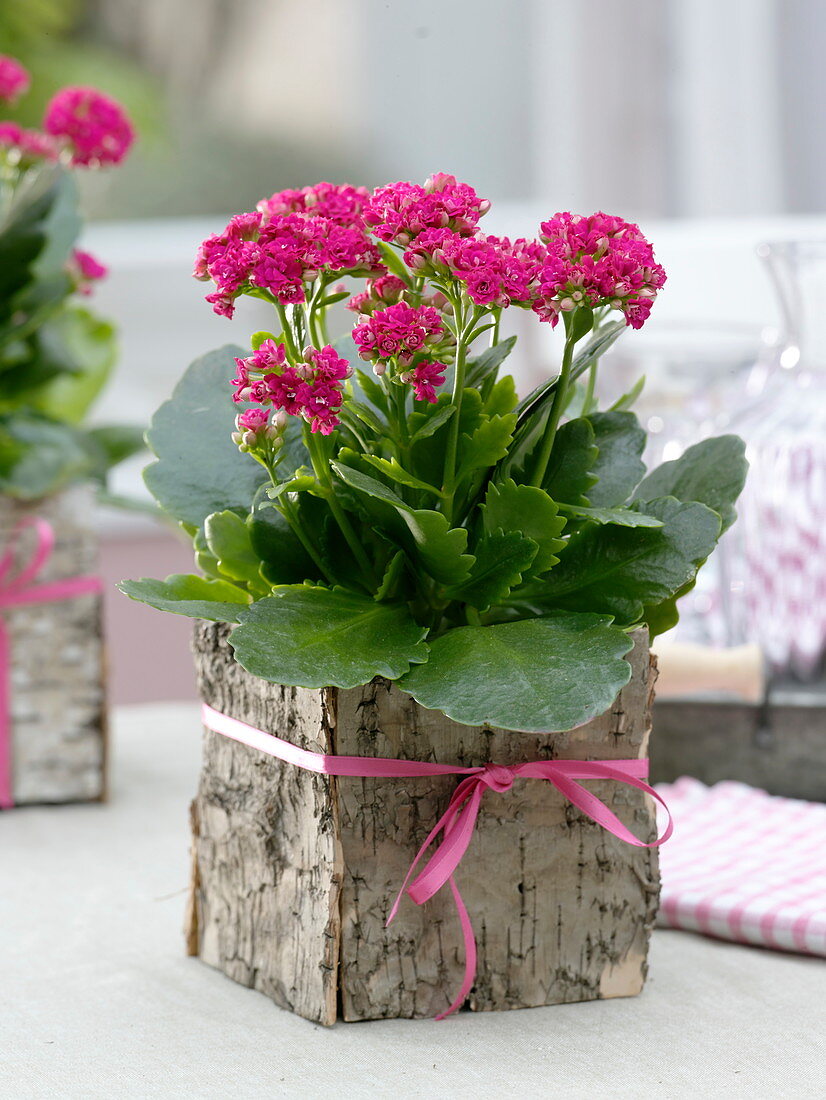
(17, 588)
(457, 823)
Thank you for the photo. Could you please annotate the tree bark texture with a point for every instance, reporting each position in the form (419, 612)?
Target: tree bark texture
(294, 873)
(56, 674)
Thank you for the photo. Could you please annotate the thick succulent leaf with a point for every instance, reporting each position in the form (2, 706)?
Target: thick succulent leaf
(486, 445)
(39, 456)
(568, 478)
(199, 470)
(618, 570)
(71, 359)
(501, 559)
(428, 535)
(546, 674)
(618, 467)
(37, 231)
(427, 454)
(283, 559)
(489, 362)
(391, 468)
(309, 636)
(502, 397)
(622, 517)
(529, 510)
(712, 472)
(187, 594)
(229, 540)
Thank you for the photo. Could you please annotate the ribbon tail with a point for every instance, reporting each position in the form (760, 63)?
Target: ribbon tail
(6, 795)
(470, 953)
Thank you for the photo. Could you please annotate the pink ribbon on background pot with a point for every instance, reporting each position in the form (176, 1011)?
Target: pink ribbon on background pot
(457, 823)
(18, 588)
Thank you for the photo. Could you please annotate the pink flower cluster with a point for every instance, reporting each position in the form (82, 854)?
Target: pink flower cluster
(386, 290)
(312, 389)
(95, 128)
(340, 203)
(495, 271)
(29, 144)
(597, 260)
(14, 79)
(425, 376)
(399, 332)
(85, 270)
(401, 211)
(281, 253)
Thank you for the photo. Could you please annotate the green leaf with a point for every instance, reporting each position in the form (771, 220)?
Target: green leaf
(531, 511)
(258, 338)
(630, 397)
(393, 261)
(429, 536)
(622, 517)
(618, 570)
(36, 235)
(568, 478)
(392, 576)
(619, 466)
(229, 540)
(488, 363)
(546, 674)
(199, 470)
(439, 547)
(279, 550)
(116, 443)
(501, 559)
(502, 397)
(71, 358)
(712, 472)
(366, 415)
(187, 594)
(391, 468)
(433, 423)
(363, 383)
(40, 456)
(427, 455)
(486, 445)
(312, 637)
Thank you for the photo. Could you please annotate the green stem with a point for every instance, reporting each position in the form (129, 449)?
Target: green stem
(557, 405)
(448, 484)
(589, 404)
(494, 332)
(287, 332)
(288, 512)
(322, 472)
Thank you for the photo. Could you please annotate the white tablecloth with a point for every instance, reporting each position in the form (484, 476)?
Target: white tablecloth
(97, 998)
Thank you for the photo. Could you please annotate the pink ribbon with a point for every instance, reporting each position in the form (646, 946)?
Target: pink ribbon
(457, 823)
(18, 588)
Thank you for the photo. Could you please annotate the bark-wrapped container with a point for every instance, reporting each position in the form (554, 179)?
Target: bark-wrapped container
(294, 873)
(55, 721)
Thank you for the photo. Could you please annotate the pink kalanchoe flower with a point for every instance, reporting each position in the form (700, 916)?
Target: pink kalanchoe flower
(425, 376)
(383, 291)
(95, 128)
(597, 260)
(339, 203)
(14, 79)
(86, 270)
(253, 420)
(313, 389)
(399, 332)
(401, 211)
(30, 144)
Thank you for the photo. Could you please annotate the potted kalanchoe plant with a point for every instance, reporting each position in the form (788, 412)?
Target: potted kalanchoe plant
(55, 357)
(401, 561)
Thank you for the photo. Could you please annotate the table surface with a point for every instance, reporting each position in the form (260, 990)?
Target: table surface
(98, 999)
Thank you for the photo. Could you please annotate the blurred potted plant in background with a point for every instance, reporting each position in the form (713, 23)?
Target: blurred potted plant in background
(55, 357)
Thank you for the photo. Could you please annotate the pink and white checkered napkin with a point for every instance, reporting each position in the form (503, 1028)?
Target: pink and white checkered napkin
(745, 865)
